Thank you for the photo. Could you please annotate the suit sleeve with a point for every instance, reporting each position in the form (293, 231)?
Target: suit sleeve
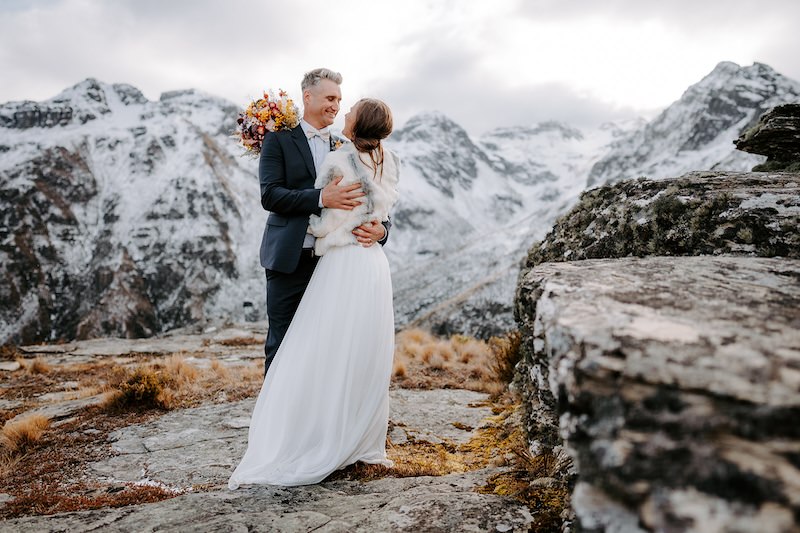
(276, 197)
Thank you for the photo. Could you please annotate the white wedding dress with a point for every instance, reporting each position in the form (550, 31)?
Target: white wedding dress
(324, 403)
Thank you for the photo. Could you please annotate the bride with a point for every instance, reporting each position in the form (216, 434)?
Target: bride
(324, 403)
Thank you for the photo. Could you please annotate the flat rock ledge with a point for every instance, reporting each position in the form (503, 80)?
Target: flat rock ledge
(446, 503)
(674, 383)
(201, 446)
(194, 451)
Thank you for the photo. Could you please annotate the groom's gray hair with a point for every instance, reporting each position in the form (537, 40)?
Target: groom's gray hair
(313, 77)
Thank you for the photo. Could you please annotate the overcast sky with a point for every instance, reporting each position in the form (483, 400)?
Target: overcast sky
(484, 64)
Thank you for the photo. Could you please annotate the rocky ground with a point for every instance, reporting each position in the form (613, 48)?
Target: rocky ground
(450, 447)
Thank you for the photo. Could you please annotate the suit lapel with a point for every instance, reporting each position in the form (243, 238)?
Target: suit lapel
(299, 138)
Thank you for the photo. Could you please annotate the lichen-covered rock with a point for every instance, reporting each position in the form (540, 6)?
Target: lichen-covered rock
(674, 382)
(777, 136)
(699, 213)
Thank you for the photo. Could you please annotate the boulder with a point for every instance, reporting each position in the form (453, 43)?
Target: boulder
(777, 136)
(673, 382)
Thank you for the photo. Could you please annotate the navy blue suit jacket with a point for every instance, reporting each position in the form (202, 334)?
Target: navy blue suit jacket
(286, 172)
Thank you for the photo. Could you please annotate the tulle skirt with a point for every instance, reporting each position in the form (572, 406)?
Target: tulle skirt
(324, 403)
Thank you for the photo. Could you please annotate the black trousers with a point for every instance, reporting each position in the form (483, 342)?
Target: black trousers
(284, 292)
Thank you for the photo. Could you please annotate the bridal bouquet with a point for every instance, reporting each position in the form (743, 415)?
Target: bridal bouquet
(269, 113)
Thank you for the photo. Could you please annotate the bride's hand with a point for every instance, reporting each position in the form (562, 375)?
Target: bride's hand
(344, 197)
(369, 233)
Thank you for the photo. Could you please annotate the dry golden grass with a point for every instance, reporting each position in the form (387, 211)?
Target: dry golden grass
(241, 341)
(220, 369)
(8, 461)
(497, 438)
(506, 355)
(39, 366)
(9, 352)
(177, 383)
(140, 388)
(177, 369)
(424, 361)
(499, 442)
(19, 435)
(42, 470)
(399, 369)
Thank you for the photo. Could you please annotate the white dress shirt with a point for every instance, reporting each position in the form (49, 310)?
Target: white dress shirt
(320, 148)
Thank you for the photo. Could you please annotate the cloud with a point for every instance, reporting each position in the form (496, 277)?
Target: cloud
(485, 64)
(689, 15)
(450, 79)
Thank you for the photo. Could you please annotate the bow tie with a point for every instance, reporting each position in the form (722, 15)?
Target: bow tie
(323, 134)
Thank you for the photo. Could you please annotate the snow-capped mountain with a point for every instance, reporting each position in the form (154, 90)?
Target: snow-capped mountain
(123, 216)
(126, 216)
(697, 131)
(468, 210)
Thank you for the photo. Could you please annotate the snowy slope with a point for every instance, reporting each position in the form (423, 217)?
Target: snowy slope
(128, 216)
(470, 208)
(697, 131)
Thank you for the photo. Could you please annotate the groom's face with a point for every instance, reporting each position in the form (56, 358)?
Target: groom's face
(321, 103)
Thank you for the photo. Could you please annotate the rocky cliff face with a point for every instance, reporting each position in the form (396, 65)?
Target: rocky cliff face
(672, 382)
(120, 216)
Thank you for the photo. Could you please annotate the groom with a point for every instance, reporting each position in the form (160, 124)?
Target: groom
(287, 171)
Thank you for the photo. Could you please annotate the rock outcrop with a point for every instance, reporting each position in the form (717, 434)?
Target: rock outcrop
(672, 380)
(675, 385)
(708, 213)
(777, 136)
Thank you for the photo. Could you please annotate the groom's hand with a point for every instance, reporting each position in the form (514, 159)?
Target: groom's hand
(344, 197)
(369, 233)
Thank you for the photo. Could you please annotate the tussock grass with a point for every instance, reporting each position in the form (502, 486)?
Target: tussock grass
(179, 371)
(39, 366)
(241, 341)
(399, 369)
(425, 361)
(8, 461)
(506, 354)
(175, 382)
(220, 369)
(143, 387)
(20, 435)
(9, 352)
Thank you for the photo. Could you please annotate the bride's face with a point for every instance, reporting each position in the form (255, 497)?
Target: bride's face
(349, 122)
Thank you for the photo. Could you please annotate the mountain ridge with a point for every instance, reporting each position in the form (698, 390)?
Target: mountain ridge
(128, 216)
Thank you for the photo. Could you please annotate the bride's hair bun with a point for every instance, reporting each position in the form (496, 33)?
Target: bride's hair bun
(373, 123)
